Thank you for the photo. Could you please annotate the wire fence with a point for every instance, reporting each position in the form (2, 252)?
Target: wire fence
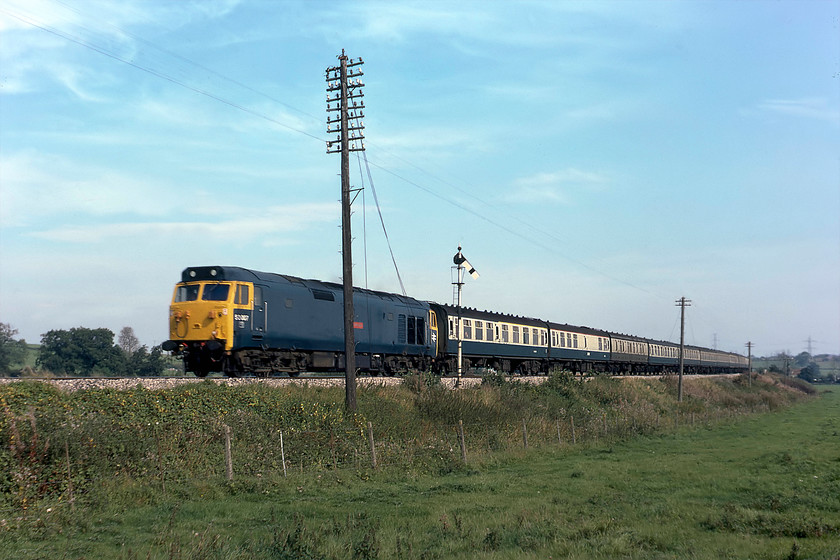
(75, 459)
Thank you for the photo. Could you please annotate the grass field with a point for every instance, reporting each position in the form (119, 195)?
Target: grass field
(758, 486)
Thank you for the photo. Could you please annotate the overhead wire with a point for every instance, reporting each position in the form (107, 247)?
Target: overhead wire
(227, 101)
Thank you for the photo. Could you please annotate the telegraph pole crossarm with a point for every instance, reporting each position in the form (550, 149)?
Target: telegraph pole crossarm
(344, 87)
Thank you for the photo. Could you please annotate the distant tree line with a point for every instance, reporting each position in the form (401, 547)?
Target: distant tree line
(11, 351)
(83, 352)
(805, 366)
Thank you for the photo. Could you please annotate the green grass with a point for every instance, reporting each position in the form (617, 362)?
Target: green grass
(754, 486)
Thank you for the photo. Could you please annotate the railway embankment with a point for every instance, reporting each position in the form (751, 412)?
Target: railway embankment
(70, 450)
(72, 384)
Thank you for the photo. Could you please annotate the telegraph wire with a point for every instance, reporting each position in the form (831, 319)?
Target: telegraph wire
(201, 91)
(158, 74)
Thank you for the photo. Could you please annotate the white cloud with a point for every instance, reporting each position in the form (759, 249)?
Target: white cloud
(37, 186)
(555, 186)
(808, 107)
(227, 224)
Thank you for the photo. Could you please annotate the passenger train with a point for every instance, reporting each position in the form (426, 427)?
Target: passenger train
(239, 321)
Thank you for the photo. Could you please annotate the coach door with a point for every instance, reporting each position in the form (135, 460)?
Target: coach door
(259, 319)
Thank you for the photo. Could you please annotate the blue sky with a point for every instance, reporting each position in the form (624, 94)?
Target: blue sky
(596, 160)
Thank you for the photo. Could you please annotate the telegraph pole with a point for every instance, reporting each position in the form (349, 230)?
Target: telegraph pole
(749, 362)
(342, 94)
(682, 303)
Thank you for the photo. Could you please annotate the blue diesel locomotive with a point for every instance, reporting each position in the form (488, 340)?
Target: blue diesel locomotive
(239, 321)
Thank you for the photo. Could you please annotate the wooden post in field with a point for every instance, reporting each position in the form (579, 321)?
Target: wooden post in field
(69, 476)
(160, 461)
(559, 437)
(524, 434)
(574, 438)
(282, 454)
(462, 442)
(228, 457)
(372, 446)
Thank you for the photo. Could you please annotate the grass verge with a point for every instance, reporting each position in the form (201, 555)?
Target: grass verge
(720, 486)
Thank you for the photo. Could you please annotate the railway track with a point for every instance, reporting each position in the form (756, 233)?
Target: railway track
(315, 380)
(154, 383)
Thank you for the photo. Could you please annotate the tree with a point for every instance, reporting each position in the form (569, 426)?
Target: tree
(11, 351)
(127, 341)
(145, 363)
(802, 359)
(81, 351)
(811, 372)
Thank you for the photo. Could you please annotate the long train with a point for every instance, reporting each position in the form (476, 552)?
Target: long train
(239, 321)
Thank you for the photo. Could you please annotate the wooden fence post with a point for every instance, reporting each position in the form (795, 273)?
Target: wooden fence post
(69, 476)
(228, 457)
(574, 438)
(559, 437)
(282, 454)
(462, 442)
(524, 434)
(161, 472)
(372, 446)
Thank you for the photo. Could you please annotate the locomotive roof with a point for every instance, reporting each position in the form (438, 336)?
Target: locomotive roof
(236, 273)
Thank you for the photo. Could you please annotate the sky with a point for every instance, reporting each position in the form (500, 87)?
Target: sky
(595, 160)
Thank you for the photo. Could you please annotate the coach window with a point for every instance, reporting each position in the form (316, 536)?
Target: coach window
(600, 344)
(515, 334)
(505, 333)
(489, 333)
(215, 292)
(242, 295)
(543, 337)
(467, 329)
(451, 328)
(479, 330)
(186, 293)
(575, 340)
(525, 338)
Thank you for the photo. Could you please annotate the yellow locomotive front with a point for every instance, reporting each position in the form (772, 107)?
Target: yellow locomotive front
(201, 319)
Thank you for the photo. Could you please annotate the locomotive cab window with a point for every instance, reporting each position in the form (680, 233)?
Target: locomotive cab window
(215, 292)
(242, 296)
(186, 293)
